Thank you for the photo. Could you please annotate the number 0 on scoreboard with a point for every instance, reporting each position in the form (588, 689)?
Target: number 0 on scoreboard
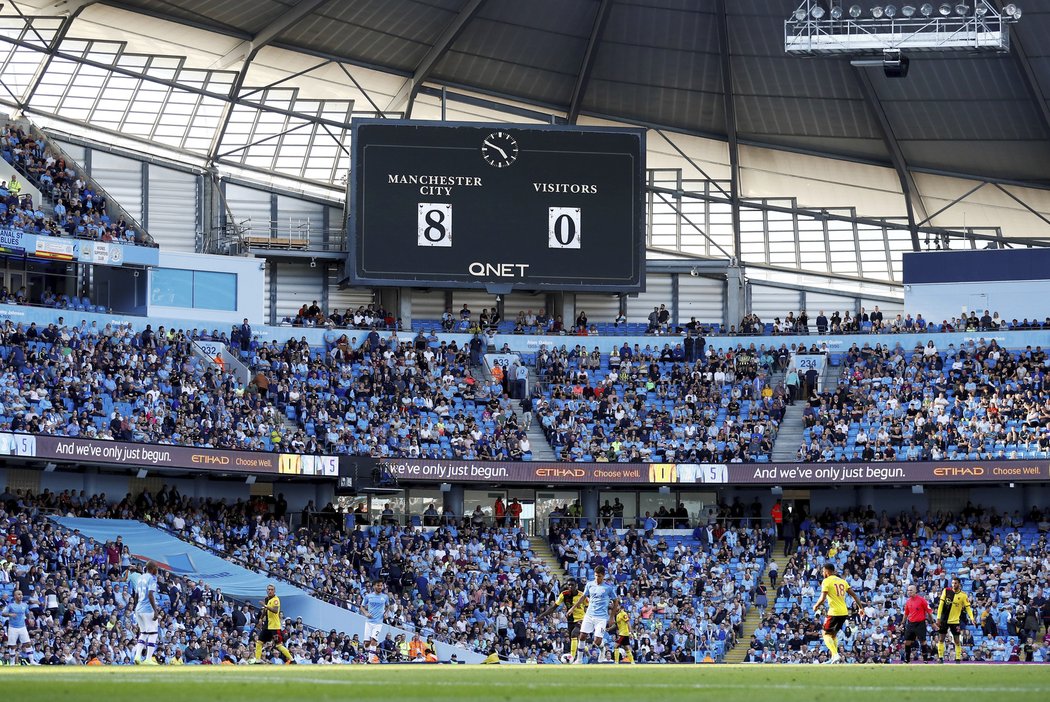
(563, 230)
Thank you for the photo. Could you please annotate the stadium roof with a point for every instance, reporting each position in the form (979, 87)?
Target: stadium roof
(666, 63)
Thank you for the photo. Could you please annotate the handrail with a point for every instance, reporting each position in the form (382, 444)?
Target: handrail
(112, 206)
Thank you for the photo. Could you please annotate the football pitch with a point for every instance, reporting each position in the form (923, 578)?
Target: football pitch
(726, 683)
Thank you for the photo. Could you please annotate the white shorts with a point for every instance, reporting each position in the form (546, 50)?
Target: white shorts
(16, 636)
(372, 630)
(147, 622)
(594, 625)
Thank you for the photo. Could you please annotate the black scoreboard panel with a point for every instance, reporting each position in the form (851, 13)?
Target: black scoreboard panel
(440, 204)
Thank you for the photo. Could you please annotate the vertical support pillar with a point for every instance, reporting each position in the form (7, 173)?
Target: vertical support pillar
(735, 303)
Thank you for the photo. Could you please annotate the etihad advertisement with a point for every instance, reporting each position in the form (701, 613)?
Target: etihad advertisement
(448, 471)
(95, 451)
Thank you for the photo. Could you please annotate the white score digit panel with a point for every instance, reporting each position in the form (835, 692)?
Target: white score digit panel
(564, 228)
(434, 224)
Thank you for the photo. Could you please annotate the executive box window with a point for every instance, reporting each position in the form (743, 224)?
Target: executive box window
(176, 287)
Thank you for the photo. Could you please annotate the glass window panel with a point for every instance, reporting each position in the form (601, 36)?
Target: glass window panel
(171, 287)
(214, 291)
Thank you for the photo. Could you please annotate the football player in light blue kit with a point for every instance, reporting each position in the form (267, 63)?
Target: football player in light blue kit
(146, 613)
(374, 605)
(17, 632)
(602, 605)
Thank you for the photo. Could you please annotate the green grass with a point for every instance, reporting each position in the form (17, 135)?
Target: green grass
(724, 683)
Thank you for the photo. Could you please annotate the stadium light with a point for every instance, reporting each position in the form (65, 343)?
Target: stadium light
(957, 25)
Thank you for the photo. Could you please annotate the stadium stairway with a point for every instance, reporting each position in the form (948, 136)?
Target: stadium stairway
(789, 434)
(541, 448)
(542, 549)
(754, 615)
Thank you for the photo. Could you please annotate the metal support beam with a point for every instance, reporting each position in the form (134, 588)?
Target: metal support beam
(41, 71)
(1024, 204)
(954, 202)
(406, 94)
(1030, 77)
(729, 106)
(584, 76)
(120, 70)
(817, 214)
(249, 47)
(678, 211)
(896, 155)
(227, 108)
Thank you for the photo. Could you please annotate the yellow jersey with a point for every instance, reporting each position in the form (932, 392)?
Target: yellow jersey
(623, 624)
(958, 603)
(663, 473)
(570, 602)
(835, 588)
(273, 619)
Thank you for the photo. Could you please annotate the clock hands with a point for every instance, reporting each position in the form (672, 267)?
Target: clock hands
(502, 152)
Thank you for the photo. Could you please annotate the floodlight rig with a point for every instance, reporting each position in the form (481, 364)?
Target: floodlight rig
(843, 27)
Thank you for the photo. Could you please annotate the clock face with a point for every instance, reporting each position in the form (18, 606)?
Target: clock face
(499, 149)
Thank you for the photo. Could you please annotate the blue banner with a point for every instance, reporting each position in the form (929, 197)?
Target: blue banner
(20, 243)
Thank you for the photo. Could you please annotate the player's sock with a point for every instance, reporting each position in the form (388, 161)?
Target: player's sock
(940, 649)
(151, 645)
(258, 650)
(617, 654)
(284, 652)
(832, 644)
(574, 645)
(139, 648)
(958, 653)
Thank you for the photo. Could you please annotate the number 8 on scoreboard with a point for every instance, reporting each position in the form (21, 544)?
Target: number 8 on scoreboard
(434, 224)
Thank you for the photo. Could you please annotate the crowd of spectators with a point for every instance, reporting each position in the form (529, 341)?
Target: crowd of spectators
(876, 322)
(683, 403)
(977, 401)
(387, 397)
(81, 605)
(1002, 560)
(78, 210)
(113, 383)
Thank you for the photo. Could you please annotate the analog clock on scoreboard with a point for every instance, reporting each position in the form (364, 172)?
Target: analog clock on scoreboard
(527, 207)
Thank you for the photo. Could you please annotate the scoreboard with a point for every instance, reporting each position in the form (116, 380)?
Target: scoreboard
(499, 206)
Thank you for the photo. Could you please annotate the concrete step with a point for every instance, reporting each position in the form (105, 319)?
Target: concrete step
(542, 549)
(754, 616)
(789, 435)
